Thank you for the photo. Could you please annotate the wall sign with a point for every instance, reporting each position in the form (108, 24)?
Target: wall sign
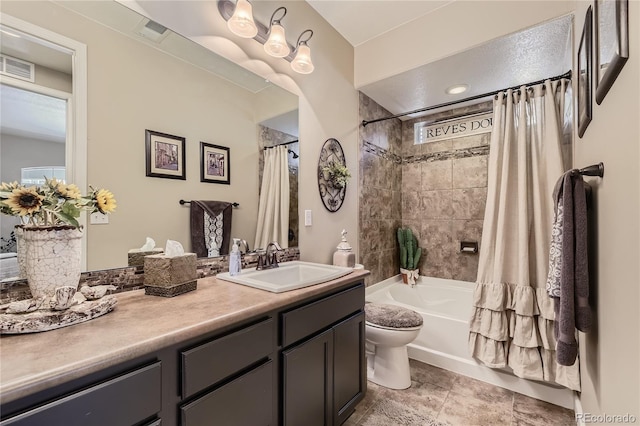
(455, 128)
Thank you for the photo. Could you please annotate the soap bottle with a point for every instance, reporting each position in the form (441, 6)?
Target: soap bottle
(235, 260)
(344, 256)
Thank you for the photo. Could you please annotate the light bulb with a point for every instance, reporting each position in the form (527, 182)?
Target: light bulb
(277, 45)
(302, 62)
(241, 22)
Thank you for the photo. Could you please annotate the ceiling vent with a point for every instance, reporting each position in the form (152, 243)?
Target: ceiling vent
(17, 68)
(151, 30)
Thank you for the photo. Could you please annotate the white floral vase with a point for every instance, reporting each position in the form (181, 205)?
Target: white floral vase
(21, 250)
(52, 258)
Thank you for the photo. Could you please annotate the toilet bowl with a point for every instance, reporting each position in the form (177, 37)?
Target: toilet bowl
(388, 331)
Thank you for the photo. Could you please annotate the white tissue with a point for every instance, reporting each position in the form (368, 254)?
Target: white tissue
(173, 248)
(148, 245)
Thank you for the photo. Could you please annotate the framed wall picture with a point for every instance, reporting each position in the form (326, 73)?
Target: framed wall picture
(612, 42)
(585, 64)
(214, 164)
(165, 155)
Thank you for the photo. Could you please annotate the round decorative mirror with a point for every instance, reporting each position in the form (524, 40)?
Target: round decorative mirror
(332, 175)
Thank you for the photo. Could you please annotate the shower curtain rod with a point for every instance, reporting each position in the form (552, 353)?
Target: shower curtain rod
(295, 154)
(566, 75)
(285, 143)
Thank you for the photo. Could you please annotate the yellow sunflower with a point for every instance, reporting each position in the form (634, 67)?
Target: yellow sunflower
(70, 192)
(24, 201)
(105, 201)
(9, 186)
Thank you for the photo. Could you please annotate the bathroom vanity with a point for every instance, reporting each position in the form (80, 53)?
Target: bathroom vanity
(225, 354)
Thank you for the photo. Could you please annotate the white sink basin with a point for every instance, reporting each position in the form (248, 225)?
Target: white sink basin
(288, 276)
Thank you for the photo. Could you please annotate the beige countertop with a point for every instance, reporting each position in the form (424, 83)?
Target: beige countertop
(139, 325)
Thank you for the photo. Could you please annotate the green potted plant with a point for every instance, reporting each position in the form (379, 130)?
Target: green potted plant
(409, 255)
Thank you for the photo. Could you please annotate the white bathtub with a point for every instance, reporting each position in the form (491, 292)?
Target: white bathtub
(445, 306)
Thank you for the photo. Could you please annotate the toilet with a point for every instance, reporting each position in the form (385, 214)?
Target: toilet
(388, 331)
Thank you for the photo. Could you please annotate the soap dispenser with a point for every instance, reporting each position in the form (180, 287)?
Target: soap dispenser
(344, 256)
(235, 260)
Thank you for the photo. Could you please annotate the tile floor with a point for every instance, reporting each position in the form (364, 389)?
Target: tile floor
(441, 397)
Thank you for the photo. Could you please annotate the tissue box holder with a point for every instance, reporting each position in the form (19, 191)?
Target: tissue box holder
(169, 276)
(136, 257)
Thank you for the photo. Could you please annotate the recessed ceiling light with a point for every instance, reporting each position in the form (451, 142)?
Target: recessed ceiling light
(458, 88)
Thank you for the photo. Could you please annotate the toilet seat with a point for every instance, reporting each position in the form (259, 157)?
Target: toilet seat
(391, 317)
(370, 324)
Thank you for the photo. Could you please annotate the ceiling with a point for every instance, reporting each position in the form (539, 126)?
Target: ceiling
(361, 21)
(530, 55)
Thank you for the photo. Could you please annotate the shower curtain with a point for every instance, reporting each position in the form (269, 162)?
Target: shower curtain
(512, 317)
(273, 208)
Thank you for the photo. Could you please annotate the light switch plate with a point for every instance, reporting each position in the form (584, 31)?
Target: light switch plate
(308, 220)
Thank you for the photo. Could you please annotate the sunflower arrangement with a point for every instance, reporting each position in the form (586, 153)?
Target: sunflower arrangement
(54, 203)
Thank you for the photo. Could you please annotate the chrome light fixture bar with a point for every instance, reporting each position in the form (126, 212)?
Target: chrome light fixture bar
(239, 17)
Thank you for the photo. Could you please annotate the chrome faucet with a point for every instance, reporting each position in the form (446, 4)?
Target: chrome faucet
(243, 243)
(272, 260)
(266, 259)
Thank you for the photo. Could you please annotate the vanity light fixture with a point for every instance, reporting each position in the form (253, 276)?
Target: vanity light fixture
(276, 45)
(457, 89)
(241, 22)
(239, 17)
(302, 61)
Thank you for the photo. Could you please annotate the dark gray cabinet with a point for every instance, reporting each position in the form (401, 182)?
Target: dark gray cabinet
(128, 399)
(247, 400)
(349, 366)
(324, 376)
(308, 382)
(300, 364)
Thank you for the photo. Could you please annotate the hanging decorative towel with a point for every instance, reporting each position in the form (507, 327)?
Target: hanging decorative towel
(210, 227)
(568, 279)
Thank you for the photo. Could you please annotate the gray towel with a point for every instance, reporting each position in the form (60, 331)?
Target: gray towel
(572, 306)
(213, 209)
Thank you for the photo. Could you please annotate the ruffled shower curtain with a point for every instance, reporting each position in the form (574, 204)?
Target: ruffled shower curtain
(512, 317)
(273, 208)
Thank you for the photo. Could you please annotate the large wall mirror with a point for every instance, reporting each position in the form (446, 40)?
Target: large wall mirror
(141, 76)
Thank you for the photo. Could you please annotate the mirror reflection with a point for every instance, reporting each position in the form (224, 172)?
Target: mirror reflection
(126, 96)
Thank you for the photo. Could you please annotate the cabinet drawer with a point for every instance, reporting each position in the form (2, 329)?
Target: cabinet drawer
(124, 400)
(301, 322)
(247, 400)
(207, 364)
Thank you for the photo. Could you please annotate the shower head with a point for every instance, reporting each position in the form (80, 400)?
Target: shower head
(294, 154)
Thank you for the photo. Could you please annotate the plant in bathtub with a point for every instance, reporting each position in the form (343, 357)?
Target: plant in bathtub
(409, 255)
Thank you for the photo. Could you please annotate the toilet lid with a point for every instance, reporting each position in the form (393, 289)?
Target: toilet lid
(391, 316)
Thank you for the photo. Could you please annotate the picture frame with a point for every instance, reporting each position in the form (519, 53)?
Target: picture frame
(612, 43)
(165, 155)
(215, 164)
(585, 65)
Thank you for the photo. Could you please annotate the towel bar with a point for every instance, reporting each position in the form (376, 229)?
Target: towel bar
(183, 202)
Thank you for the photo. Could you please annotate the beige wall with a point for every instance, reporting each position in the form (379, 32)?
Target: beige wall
(610, 355)
(126, 95)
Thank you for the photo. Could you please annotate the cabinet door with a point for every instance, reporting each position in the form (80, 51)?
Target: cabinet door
(349, 374)
(124, 400)
(245, 401)
(308, 382)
